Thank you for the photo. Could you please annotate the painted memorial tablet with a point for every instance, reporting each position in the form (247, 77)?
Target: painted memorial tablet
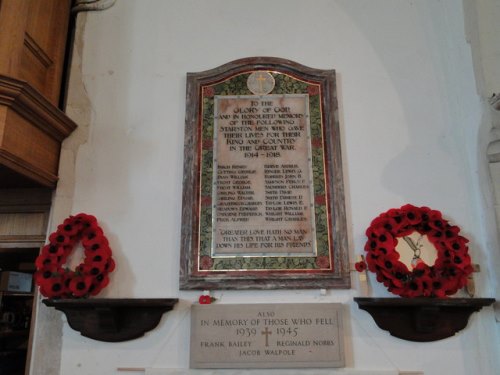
(262, 177)
(267, 336)
(263, 202)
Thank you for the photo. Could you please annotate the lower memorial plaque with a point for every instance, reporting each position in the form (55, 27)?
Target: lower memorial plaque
(267, 336)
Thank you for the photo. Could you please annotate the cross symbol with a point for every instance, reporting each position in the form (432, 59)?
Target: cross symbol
(267, 332)
(261, 79)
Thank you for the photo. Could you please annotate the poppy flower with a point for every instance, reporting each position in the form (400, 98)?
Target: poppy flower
(398, 215)
(421, 269)
(97, 249)
(388, 224)
(85, 218)
(44, 260)
(386, 258)
(437, 224)
(69, 228)
(371, 245)
(415, 289)
(92, 268)
(103, 279)
(374, 231)
(371, 261)
(397, 273)
(412, 214)
(98, 284)
(451, 231)
(442, 287)
(360, 266)
(79, 285)
(456, 244)
(53, 250)
(46, 273)
(205, 300)
(435, 236)
(101, 262)
(399, 277)
(424, 213)
(382, 278)
(385, 241)
(60, 239)
(425, 285)
(463, 263)
(52, 286)
(110, 265)
(92, 235)
(95, 288)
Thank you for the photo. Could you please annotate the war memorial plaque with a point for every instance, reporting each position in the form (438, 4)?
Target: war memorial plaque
(263, 203)
(267, 336)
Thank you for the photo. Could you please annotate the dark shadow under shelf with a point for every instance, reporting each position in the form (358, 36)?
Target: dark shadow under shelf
(113, 320)
(422, 319)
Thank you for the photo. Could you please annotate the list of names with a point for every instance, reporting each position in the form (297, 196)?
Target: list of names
(262, 176)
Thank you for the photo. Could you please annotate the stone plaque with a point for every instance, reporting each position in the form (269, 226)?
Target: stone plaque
(267, 336)
(263, 203)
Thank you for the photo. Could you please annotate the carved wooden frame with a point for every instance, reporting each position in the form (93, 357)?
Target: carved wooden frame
(336, 274)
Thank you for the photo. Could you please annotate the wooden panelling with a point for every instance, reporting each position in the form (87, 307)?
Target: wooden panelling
(25, 200)
(13, 21)
(10, 179)
(24, 215)
(31, 132)
(35, 64)
(15, 227)
(30, 143)
(33, 36)
(44, 44)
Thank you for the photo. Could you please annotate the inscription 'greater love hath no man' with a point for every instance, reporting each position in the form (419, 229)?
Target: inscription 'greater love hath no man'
(273, 334)
(263, 193)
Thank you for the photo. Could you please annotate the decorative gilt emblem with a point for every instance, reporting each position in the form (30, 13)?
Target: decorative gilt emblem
(260, 83)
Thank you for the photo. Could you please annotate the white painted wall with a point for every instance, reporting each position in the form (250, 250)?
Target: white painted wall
(483, 31)
(409, 116)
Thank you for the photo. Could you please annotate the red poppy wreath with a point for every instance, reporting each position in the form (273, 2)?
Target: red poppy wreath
(445, 277)
(90, 276)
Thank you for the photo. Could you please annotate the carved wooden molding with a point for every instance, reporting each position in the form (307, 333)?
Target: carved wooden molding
(37, 51)
(49, 125)
(31, 105)
(422, 319)
(17, 164)
(112, 320)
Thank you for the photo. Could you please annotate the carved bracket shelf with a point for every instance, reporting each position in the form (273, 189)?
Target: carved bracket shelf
(422, 319)
(112, 320)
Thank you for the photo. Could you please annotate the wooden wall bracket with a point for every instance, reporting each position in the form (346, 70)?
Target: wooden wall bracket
(112, 320)
(422, 319)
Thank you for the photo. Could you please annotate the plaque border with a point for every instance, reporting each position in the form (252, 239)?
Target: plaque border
(338, 275)
(337, 361)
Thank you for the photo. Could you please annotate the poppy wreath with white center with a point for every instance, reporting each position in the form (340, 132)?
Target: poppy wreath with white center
(448, 273)
(90, 276)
